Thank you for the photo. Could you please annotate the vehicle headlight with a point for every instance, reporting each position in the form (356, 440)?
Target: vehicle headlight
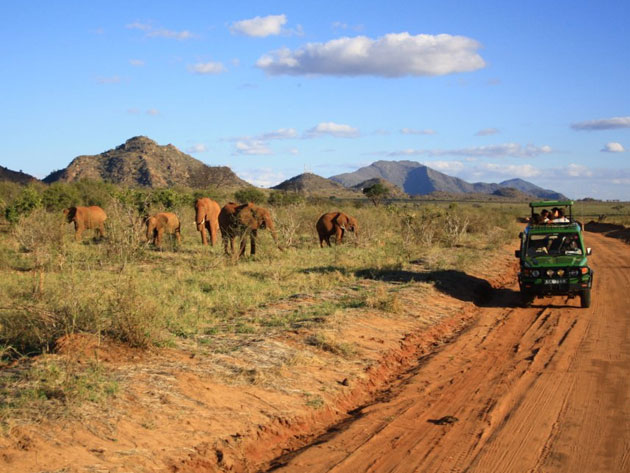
(573, 272)
(550, 272)
(535, 273)
(561, 272)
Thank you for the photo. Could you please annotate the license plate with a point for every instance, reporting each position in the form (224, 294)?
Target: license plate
(556, 281)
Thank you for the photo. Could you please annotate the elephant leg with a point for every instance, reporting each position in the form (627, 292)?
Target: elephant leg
(78, 230)
(101, 230)
(178, 236)
(214, 233)
(243, 245)
(158, 238)
(204, 239)
(252, 239)
(339, 235)
(321, 242)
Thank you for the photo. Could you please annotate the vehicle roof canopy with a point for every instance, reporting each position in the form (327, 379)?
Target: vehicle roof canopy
(551, 203)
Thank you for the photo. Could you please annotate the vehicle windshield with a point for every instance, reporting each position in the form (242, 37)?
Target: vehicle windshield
(555, 244)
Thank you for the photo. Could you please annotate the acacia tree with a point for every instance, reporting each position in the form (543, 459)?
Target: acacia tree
(376, 193)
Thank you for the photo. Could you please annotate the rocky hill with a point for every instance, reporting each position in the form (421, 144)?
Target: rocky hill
(529, 188)
(140, 161)
(15, 176)
(417, 179)
(316, 186)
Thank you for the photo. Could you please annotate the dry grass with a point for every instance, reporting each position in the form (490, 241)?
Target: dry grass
(124, 289)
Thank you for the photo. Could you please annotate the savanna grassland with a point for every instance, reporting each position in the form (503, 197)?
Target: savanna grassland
(123, 292)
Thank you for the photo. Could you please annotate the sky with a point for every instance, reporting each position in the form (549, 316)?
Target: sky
(485, 90)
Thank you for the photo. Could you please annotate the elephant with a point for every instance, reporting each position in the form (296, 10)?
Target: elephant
(207, 217)
(86, 218)
(241, 220)
(335, 223)
(160, 223)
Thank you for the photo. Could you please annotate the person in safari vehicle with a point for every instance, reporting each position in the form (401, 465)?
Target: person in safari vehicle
(553, 258)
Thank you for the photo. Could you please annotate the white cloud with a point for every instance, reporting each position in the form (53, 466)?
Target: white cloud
(446, 166)
(279, 134)
(514, 150)
(487, 132)
(133, 111)
(170, 34)
(411, 131)
(523, 170)
(262, 177)
(332, 129)
(136, 25)
(613, 147)
(207, 68)
(578, 170)
(603, 124)
(136, 62)
(153, 112)
(252, 148)
(198, 148)
(392, 55)
(260, 27)
(293, 151)
(339, 25)
(152, 32)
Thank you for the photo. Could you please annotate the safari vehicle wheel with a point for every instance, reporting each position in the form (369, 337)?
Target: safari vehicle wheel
(585, 298)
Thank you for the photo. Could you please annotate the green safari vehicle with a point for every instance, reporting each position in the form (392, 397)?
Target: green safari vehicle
(553, 258)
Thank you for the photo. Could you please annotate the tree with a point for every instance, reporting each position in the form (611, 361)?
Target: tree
(376, 193)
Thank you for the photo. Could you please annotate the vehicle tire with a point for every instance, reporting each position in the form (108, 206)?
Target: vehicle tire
(585, 298)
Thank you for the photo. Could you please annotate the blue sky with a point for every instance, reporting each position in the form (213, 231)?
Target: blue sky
(485, 91)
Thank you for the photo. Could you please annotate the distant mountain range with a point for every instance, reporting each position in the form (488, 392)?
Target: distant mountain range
(140, 161)
(417, 179)
(15, 176)
(313, 185)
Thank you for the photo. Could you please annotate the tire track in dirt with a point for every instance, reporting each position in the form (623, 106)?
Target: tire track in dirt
(543, 388)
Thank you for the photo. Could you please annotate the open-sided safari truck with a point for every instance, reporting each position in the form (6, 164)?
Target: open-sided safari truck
(553, 257)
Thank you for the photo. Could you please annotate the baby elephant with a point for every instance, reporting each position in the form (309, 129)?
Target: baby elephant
(335, 223)
(86, 218)
(163, 222)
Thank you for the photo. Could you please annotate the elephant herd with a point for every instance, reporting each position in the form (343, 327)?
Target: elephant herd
(233, 220)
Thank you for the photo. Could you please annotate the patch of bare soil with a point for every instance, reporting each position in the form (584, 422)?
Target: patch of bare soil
(237, 404)
(544, 388)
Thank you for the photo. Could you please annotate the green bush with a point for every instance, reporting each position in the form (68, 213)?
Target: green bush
(60, 196)
(280, 198)
(28, 200)
(250, 195)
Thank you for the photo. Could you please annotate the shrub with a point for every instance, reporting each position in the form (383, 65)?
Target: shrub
(250, 195)
(280, 198)
(60, 196)
(28, 200)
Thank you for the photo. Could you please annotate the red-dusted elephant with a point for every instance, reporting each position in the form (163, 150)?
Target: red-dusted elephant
(161, 223)
(242, 220)
(335, 223)
(86, 218)
(207, 218)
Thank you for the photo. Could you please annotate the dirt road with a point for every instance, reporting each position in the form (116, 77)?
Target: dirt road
(542, 389)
